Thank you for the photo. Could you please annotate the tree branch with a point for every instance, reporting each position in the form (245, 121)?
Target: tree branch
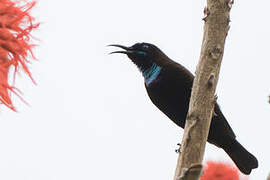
(202, 101)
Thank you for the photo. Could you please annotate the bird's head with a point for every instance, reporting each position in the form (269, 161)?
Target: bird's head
(142, 54)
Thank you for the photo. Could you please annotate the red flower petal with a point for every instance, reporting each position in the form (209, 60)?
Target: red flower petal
(15, 26)
(220, 171)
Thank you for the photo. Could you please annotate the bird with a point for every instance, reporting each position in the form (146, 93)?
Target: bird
(168, 85)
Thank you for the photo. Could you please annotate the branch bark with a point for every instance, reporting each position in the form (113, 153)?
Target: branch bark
(217, 18)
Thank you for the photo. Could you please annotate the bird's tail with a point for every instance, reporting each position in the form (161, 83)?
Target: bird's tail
(243, 159)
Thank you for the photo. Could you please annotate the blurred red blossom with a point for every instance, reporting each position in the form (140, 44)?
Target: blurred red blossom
(220, 171)
(15, 26)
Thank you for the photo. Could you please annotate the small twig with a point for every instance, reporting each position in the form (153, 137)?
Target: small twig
(206, 13)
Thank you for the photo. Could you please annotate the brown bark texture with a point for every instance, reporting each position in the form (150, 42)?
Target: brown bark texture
(217, 18)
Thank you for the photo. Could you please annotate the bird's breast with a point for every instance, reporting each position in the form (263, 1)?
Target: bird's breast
(171, 96)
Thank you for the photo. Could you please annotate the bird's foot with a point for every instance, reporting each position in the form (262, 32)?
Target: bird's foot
(179, 149)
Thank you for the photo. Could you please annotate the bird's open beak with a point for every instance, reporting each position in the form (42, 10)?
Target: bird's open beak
(128, 49)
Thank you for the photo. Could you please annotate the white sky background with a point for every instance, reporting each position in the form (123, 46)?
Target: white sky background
(90, 117)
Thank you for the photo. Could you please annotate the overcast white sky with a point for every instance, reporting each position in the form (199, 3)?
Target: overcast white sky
(90, 117)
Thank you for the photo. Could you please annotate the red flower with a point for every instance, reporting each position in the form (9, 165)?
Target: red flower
(15, 27)
(220, 171)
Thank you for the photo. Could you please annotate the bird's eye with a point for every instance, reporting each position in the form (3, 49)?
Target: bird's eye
(142, 53)
(145, 46)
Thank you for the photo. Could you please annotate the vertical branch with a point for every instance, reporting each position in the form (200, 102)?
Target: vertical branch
(217, 17)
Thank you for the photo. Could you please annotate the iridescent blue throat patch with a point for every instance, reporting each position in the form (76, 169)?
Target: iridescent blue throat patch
(151, 73)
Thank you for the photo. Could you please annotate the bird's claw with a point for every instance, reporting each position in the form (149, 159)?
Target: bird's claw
(179, 149)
